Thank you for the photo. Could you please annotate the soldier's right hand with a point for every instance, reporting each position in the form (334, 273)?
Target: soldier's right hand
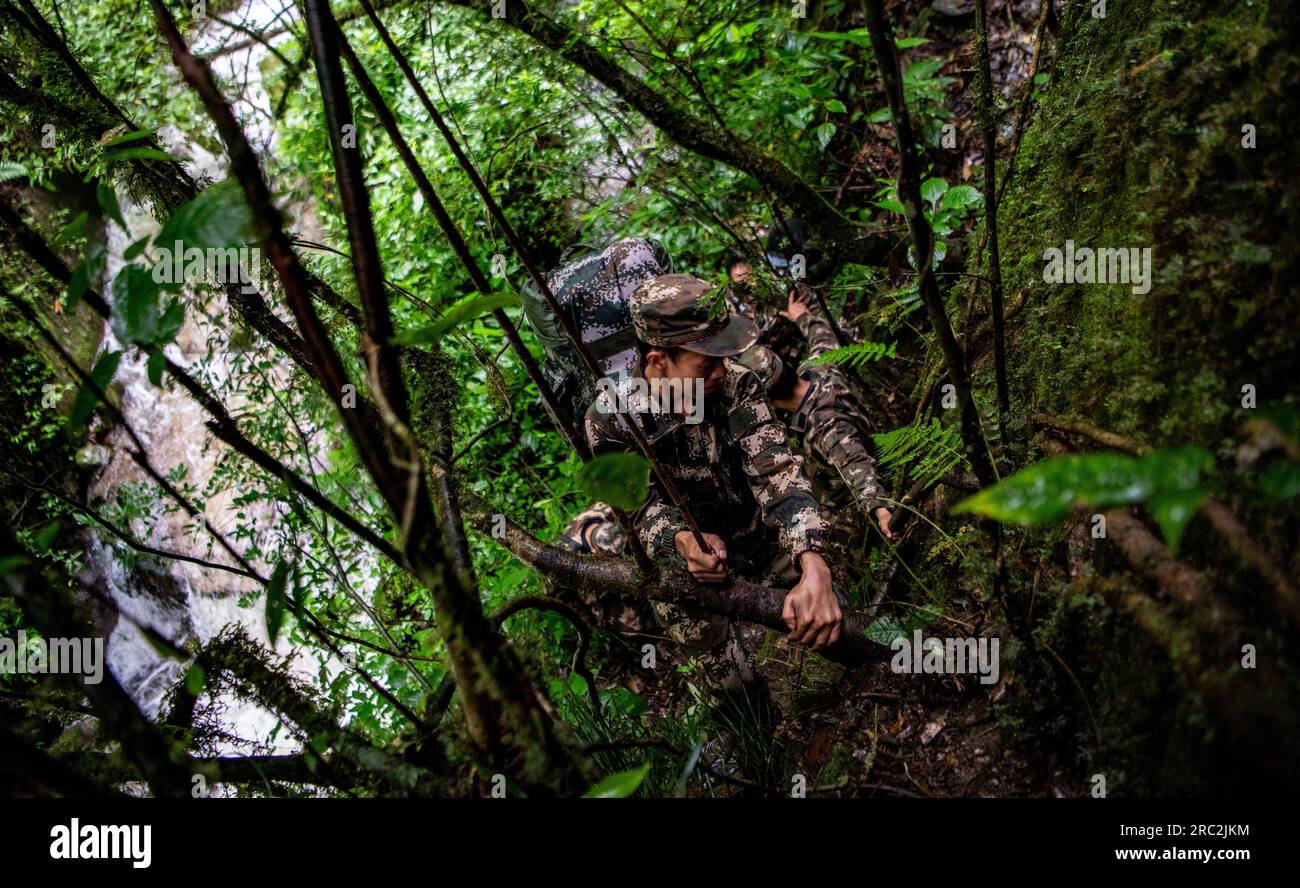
(705, 566)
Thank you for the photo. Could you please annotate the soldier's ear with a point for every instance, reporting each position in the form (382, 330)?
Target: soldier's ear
(657, 359)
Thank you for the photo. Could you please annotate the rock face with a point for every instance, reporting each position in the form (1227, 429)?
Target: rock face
(1167, 126)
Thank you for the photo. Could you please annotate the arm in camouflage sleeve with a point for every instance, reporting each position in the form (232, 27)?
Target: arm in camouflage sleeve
(775, 474)
(660, 522)
(841, 444)
(817, 330)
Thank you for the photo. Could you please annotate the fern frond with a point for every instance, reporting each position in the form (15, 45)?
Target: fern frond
(924, 452)
(856, 355)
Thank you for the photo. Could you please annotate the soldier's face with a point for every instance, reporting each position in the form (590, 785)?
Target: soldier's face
(687, 366)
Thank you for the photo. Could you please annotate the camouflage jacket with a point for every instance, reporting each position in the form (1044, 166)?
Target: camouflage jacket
(735, 469)
(833, 429)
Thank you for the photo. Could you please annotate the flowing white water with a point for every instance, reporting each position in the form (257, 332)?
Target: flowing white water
(183, 601)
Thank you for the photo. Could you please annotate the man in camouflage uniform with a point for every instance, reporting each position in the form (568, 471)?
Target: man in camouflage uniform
(827, 420)
(734, 468)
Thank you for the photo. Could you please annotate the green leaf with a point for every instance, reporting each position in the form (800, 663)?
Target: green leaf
(1172, 510)
(217, 218)
(102, 374)
(1280, 480)
(620, 479)
(465, 310)
(156, 364)
(1046, 491)
(85, 273)
(824, 133)
(858, 36)
(138, 152)
(134, 319)
(108, 202)
(275, 606)
(923, 70)
(909, 42)
(133, 136)
(835, 106)
(619, 785)
(195, 679)
(884, 630)
(961, 197)
(44, 538)
(932, 190)
(135, 249)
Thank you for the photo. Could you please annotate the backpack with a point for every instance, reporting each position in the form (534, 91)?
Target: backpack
(594, 289)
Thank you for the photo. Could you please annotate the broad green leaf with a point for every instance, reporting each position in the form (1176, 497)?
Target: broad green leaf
(1172, 510)
(961, 197)
(884, 630)
(217, 218)
(1046, 491)
(275, 601)
(923, 70)
(620, 479)
(195, 679)
(135, 249)
(619, 785)
(134, 319)
(858, 36)
(86, 272)
(156, 364)
(137, 152)
(108, 202)
(44, 538)
(824, 133)
(102, 374)
(835, 106)
(466, 310)
(909, 42)
(932, 190)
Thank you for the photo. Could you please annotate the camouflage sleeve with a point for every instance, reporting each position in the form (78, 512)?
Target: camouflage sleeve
(660, 521)
(774, 472)
(660, 524)
(819, 333)
(841, 444)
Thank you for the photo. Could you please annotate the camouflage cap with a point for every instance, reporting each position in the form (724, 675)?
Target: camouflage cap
(671, 310)
(765, 363)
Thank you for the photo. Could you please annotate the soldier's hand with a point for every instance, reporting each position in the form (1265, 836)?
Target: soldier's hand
(811, 609)
(795, 306)
(883, 517)
(707, 567)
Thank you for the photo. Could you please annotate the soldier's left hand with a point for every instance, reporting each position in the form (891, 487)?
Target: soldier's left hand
(883, 517)
(811, 610)
(795, 306)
